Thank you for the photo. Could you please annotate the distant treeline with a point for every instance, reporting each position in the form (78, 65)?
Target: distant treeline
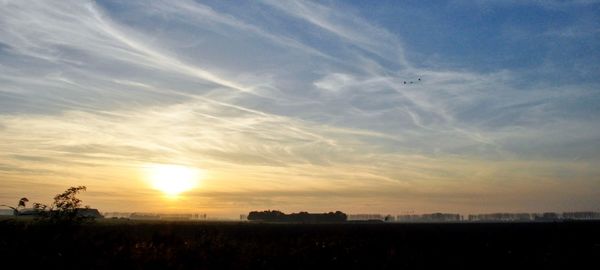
(305, 217)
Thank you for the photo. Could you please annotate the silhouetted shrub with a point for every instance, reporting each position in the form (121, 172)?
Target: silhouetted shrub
(66, 208)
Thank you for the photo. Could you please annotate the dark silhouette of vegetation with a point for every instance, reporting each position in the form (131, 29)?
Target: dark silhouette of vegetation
(302, 217)
(22, 202)
(213, 245)
(20, 205)
(67, 203)
(65, 208)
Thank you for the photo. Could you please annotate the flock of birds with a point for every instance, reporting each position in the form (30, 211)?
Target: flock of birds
(411, 82)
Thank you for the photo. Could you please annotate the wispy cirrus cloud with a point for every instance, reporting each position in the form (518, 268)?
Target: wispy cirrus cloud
(278, 109)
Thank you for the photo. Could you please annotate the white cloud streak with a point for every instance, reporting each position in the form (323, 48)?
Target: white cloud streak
(90, 93)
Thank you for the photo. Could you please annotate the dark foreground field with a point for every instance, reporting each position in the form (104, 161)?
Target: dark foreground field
(105, 245)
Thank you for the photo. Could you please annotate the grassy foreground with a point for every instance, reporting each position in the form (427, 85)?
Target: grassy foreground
(220, 245)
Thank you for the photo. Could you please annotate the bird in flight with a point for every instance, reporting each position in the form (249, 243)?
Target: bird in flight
(412, 82)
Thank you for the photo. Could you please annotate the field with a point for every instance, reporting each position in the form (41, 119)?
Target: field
(221, 245)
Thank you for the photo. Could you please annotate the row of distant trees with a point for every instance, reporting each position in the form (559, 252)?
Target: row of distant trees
(278, 216)
(65, 206)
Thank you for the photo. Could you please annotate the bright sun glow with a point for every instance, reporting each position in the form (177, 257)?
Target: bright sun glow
(173, 179)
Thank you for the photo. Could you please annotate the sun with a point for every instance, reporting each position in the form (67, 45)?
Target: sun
(171, 179)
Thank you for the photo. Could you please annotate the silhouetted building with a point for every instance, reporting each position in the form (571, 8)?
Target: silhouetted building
(30, 212)
(79, 212)
(88, 213)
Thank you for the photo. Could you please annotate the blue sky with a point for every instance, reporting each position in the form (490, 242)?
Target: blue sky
(299, 104)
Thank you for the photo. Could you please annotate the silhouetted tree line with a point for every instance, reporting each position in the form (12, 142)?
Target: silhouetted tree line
(303, 217)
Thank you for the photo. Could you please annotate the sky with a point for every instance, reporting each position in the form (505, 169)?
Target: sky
(302, 105)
